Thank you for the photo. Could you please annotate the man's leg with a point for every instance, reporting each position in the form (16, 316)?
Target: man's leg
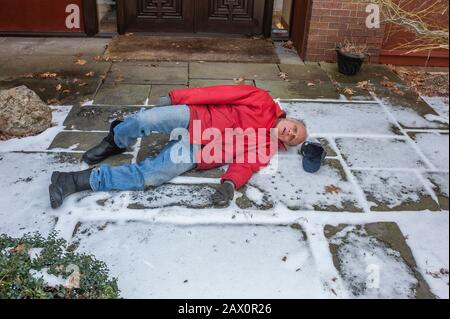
(153, 171)
(142, 123)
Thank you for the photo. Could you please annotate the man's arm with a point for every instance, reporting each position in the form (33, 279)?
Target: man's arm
(221, 95)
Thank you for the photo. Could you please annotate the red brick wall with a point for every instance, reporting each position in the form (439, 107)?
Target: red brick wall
(333, 21)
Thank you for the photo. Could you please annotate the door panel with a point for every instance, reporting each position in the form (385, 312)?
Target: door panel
(159, 15)
(230, 16)
(215, 16)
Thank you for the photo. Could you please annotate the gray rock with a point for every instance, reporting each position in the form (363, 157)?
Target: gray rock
(22, 112)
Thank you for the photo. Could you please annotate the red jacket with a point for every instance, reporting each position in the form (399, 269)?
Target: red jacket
(236, 107)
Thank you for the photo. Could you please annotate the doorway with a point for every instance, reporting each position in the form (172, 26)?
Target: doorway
(192, 16)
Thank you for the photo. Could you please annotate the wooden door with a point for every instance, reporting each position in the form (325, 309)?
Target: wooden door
(191, 16)
(230, 16)
(156, 15)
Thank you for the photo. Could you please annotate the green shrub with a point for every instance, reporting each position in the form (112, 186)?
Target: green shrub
(17, 267)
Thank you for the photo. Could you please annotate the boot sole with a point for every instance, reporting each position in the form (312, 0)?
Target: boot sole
(55, 198)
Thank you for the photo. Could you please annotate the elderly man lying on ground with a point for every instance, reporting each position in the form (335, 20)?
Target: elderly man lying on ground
(238, 125)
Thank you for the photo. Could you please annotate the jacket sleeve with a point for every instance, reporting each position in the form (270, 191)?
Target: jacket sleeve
(220, 95)
(240, 174)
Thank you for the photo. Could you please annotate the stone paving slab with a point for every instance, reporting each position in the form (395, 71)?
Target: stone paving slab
(342, 118)
(326, 190)
(440, 185)
(54, 46)
(435, 147)
(63, 66)
(395, 191)
(229, 71)
(309, 73)
(168, 195)
(375, 262)
(375, 153)
(298, 89)
(158, 91)
(153, 144)
(211, 82)
(147, 74)
(75, 158)
(96, 118)
(77, 141)
(122, 94)
(223, 265)
(409, 109)
(376, 73)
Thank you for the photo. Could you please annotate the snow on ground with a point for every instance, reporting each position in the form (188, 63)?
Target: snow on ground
(339, 118)
(439, 104)
(435, 146)
(391, 188)
(180, 247)
(361, 254)
(379, 153)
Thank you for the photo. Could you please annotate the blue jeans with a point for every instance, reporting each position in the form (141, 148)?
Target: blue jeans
(153, 171)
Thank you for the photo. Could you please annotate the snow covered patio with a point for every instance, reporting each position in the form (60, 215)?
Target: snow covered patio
(372, 223)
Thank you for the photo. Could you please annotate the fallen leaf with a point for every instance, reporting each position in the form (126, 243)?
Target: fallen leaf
(284, 259)
(288, 45)
(58, 87)
(239, 81)
(129, 34)
(284, 76)
(349, 91)
(89, 74)
(48, 75)
(53, 102)
(80, 62)
(310, 84)
(98, 58)
(82, 84)
(119, 79)
(18, 249)
(365, 85)
(332, 189)
(388, 83)
(66, 91)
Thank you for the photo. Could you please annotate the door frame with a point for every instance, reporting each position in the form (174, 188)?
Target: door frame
(122, 22)
(301, 21)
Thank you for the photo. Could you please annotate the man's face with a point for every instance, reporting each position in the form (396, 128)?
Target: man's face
(291, 132)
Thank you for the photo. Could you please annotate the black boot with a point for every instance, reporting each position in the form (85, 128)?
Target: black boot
(65, 184)
(105, 149)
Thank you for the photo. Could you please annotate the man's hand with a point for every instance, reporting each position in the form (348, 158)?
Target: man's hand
(224, 194)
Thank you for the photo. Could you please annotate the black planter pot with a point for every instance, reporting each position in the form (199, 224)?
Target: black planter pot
(348, 64)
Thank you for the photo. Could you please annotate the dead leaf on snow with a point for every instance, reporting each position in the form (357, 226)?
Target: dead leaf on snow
(331, 189)
(284, 259)
(18, 249)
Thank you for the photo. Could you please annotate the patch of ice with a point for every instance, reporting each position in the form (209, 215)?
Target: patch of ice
(436, 118)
